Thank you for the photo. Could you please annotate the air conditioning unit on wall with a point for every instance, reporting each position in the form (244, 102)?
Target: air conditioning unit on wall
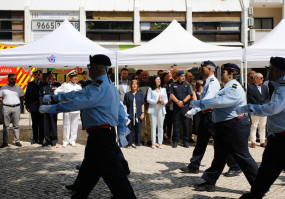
(250, 22)
(251, 35)
(250, 11)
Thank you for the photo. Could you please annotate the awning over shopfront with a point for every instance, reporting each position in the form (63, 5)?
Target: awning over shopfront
(176, 46)
(273, 44)
(64, 47)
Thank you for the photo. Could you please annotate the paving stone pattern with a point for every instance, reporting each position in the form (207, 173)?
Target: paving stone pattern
(33, 171)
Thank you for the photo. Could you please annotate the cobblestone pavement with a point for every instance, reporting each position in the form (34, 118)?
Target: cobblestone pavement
(36, 172)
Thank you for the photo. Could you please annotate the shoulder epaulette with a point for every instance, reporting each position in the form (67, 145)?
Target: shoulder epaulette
(234, 85)
(98, 83)
(211, 80)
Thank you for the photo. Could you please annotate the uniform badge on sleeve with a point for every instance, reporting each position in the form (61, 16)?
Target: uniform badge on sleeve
(234, 86)
(211, 80)
(98, 83)
(282, 83)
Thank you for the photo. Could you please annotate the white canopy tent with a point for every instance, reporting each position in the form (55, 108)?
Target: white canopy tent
(65, 46)
(176, 46)
(273, 44)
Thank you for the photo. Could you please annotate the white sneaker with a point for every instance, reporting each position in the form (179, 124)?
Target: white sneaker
(73, 144)
(64, 145)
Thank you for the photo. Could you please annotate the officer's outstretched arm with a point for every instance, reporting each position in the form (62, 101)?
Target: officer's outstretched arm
(78, 100)
(230, 97)
(68, 96)
(275, 106)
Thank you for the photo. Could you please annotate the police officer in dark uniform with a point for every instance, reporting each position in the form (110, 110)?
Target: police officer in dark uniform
(83, 83)
(180, 93)
(100, 102)
(32, 103)
(232, 129)
(49, 120)
(273, 160)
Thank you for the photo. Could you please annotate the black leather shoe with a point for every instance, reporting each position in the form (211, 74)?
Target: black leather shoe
(53, 144)
(18, 144)
(34, 142)
(192, 141)
(232, 173)
(46, 144)
(186, 145)
(71, 187)
(174, 145)
(245, 196)
(78, 167)
(4, 145)
(189, 170)
(40, 142)
(205, 186)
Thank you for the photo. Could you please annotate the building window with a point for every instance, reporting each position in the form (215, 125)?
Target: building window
(150, 30)
(110, 30)
(12, 26)
(263, 23)
(217, 31)
(110, 26)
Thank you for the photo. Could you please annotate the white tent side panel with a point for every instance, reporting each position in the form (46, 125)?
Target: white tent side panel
(177, 58)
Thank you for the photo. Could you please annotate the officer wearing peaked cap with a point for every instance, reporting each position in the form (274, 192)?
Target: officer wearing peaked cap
(232, 129)
(32, 103)
(180, 93)
(49, 120)
(273, 160)
(100, 103)
(84, 82)
(206, 127)
(70, 119)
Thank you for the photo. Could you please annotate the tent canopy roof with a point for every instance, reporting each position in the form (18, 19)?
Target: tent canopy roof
(273, 44)
(175, 45)
(68, 47)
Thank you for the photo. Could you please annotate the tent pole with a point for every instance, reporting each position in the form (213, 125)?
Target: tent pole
(30, 78)
(245, 68)
(116, 72)
(242, 72)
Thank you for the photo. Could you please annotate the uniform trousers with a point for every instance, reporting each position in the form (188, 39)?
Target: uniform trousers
(70, 127)
(167, 127)
(101, 159)
(136, 130)
(156, 120)
(50, 127)
(206, 130)
(179, 115)
(11, 115)
(232, 138)
(259, 121)
(37, 125)
(273, 161)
